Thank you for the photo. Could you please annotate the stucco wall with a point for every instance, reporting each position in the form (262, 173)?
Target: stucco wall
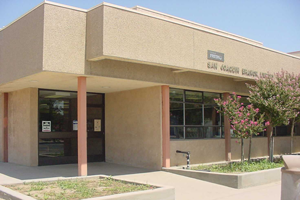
(296, 144)
(282, 145)
(21, 47)
(94, 33)
(146, 39)
(64, 39)
(162, 75)
(133, 134)
(205, 151)
(22, 127)
(202, 151)
(133, 36)
(259, 148)
(1, 126)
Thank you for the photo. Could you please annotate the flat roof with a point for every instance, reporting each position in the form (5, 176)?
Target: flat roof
(162, 16)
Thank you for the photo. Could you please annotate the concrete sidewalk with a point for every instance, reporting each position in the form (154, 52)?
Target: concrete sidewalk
(185, 188)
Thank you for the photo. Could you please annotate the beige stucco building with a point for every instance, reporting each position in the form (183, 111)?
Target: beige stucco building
(149, 78)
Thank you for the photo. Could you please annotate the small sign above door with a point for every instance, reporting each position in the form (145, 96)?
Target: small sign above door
(213, 55)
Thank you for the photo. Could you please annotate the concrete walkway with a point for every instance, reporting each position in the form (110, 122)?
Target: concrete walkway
(185, 188)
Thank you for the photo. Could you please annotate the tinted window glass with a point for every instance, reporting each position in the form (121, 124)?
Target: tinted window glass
(244, 100)
(212, 132)
(191, 96)
(51, 147)
(58, 107)
(176, 132)
(283, 131)
(176, 95)
(194, 133)
(211, 117)
(193, 114)
(209, 97)
(297, 129)
(176, 113)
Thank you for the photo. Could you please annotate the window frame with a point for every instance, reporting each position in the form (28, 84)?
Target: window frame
(202, 103)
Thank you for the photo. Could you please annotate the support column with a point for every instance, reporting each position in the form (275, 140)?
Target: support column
(166, 125)
(82, 129)
(227, 133)
(5, 128)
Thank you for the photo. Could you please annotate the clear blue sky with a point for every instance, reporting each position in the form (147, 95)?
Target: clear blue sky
(276, 23)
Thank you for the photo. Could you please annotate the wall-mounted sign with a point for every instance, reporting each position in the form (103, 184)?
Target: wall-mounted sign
(211, 65)
(236, 70)
(230, 69)
(97, 125)
(46, 126)
(213, 55)
(75, 125)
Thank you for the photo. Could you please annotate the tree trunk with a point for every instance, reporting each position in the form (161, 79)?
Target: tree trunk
(242, 150)
(272, 149)
(270, 141)
(249, 153)
(292, 135)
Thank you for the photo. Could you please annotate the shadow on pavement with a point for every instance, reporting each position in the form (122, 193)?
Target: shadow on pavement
(14, 171)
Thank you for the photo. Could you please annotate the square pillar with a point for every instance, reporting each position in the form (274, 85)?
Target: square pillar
(82, 127)
(166, 125)
(5, 128)
(227, 133)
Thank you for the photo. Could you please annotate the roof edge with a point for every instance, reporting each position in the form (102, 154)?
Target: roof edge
(294, 52)
(65, 6)
(43, 3)
(22, 15)
(196, 24)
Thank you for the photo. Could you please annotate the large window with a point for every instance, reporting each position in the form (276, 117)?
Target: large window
(58, 127)
(193, 115)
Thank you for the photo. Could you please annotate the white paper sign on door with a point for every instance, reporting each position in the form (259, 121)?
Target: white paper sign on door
(97, 125)
(75, 125)
(46, 126)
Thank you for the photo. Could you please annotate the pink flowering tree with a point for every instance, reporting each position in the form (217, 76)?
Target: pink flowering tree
(278, 97)
(245, 120)
(291, 82)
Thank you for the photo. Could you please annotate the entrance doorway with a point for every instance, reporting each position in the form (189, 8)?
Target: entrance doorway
(58, 127)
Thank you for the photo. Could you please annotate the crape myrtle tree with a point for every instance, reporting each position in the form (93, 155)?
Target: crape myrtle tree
(292, 82)
(293, 122)
(278, 97)
(245, 120)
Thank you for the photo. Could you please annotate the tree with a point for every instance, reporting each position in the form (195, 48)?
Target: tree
(275, 96)
(245, 120)
(292, 82)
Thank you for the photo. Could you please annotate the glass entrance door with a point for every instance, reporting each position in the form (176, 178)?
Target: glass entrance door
(95, 127)
(58, 127)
